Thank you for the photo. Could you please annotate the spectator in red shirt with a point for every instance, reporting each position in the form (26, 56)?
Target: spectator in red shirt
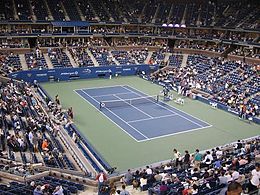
(101, 178)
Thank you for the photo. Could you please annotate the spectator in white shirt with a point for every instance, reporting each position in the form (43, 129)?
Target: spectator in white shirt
(219, 153)
(143, 181)
(31, 137)
(207, 160)
(254, 181)
(148, 170)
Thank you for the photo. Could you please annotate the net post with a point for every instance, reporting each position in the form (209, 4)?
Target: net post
(157, 98)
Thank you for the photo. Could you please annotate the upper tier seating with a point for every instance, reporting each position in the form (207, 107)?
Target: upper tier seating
(199, 13)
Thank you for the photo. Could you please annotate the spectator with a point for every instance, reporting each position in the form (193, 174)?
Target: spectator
(31, 137)
(197, 159)
(58, 191)
(207, 160)
(128, 177)
(186, 160)
(177, 157)
(57, 99)
(148, 170)
(163, 188)
(143, 182)
(219, 153)
(45, 145)
(234, 188)
(38, 190)
(157, 176)
(101, 178)
(124, 191)
(254, 183)
(35, 142)
(70, 113)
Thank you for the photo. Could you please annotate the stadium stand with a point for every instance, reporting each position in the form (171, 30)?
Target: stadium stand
(102, 56)
(35, 60)
(202, 47)
(81, 57)
(59, 58)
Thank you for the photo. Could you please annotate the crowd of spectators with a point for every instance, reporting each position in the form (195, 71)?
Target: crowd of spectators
(35, 60)
(158, 57)
(9, 62)
(123, 57)
(140, 42)
(199, 13)
(25, 126)
(103, 57)
(247, 52)
(26, 129)
(230, 83)
(81, 56)
(232, 168)
(13, 44)
(59, 58)
(29, 137)
(140, 56)
(202, 46)
(134, 56)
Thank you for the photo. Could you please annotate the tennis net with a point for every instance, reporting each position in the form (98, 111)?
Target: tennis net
(129, 102)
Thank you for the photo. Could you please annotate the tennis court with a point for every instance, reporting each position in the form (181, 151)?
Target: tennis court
(141, 116)
(118, 148)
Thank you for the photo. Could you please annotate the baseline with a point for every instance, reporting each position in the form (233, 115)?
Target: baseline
(146, 138)
(163, 106)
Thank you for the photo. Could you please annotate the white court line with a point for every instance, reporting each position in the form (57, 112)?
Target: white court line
(106, 116)
(181, 132)
(99, 87)
(171, 110)
(139, 120)
(151, 117)
(94, 96)
(131, 91)
(117, 117)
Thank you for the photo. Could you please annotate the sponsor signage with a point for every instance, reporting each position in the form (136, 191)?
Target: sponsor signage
(63, 74)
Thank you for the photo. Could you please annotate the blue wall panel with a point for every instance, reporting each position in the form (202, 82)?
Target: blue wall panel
(64, 74)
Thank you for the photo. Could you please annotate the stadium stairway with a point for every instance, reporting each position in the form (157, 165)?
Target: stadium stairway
(72, 61)
(92, 57)
(48, 61)
(80, 12)
(156, 13)
(16, 17)
(67, 18)
(184, 15)
(184, 60)
(49, 12)
(23, 62)
(166, 58)
(150, 53)
(32, 11)
(170, 14)
(114, 59)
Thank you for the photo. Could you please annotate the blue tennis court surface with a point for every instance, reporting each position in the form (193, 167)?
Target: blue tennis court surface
(142, 121)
